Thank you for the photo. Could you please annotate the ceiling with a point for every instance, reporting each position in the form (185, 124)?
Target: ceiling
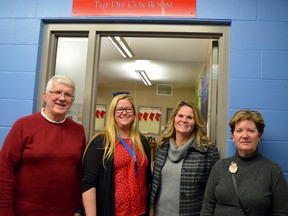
(176, 61)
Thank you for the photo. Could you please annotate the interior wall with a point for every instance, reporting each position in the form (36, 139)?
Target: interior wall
(257, 70)
(147, 96)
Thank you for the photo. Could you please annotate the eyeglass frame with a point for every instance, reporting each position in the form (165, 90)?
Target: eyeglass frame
(58, 94)
(122, 109)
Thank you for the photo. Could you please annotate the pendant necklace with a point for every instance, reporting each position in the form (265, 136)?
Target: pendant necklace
(233, 167)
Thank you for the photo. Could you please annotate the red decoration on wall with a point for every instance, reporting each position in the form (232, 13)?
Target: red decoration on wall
(140, 116)
(151, 116)
(179, 8)
(97, 113)
(157, 116)
(145, 116)
(102, 114)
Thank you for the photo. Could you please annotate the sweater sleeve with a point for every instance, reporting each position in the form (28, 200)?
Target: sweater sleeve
(10, 158)
(79, 203)
(279, 192)
(92, 162)
(146, 146)
(213, 156)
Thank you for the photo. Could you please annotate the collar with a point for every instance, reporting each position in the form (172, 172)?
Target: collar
(193, 145)
(246, 159)
(50, 120)
(201, 148)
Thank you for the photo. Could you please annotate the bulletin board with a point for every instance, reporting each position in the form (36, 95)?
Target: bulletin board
(100, 117)
(149, 119)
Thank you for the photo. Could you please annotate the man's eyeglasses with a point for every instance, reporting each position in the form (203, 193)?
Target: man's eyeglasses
(58, 94)
(121, 109)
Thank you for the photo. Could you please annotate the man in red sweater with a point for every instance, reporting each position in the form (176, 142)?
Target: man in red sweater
(40, 160)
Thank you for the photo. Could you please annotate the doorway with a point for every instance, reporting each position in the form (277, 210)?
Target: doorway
(96, 36)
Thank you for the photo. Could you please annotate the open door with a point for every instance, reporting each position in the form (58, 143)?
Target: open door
(93, 32)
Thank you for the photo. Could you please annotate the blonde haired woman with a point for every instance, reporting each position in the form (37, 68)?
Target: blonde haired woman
(116, 165)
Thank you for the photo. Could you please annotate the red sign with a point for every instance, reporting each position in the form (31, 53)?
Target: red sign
(179, 8)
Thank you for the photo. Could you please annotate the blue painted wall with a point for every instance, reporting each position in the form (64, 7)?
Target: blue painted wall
(258, 74)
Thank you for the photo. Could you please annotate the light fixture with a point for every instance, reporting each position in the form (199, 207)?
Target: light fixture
(143, 76)
(122, 46)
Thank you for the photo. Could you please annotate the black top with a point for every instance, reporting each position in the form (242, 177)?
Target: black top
(261, 184)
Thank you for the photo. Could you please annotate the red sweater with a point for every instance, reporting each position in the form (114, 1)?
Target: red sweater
(40, 168)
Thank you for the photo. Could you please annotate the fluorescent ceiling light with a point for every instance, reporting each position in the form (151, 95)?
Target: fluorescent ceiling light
(143, 76)
(122, 46)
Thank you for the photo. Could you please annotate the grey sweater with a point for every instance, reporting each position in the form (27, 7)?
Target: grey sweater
(168, 202)
(261, 184)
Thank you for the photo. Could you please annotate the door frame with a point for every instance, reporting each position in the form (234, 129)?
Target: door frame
(94, 31)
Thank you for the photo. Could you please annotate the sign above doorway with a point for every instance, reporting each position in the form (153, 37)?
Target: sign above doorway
(166, 8)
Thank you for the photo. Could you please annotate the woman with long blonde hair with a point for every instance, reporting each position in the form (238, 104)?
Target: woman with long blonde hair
(116, 165)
